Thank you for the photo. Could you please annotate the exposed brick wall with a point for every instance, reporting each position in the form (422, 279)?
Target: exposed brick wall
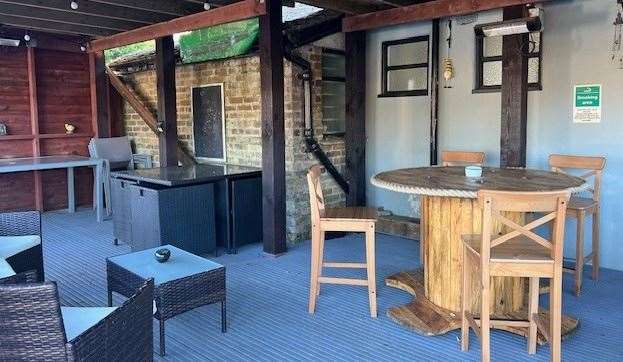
(241, 86)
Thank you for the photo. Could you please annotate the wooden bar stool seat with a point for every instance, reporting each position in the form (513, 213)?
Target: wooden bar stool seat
(580, 207)
(349, 219)
(581, 203)
(516, 251)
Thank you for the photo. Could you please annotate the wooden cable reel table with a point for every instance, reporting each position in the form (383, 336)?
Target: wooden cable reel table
(449, 209)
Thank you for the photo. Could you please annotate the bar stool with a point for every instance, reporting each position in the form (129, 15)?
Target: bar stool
(349, 219)
(462, 158)
(518, 253)
(580, 206)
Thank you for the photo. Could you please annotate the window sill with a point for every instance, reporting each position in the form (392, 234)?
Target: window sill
(416, 93)
(498, 89)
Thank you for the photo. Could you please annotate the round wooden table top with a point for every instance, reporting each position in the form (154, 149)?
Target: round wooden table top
(452, 182)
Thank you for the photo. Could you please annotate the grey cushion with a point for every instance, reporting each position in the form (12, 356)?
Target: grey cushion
(78, 319)
(5, 269)
(12, 245)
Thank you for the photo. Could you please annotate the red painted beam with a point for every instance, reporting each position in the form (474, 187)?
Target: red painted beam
(242, 10)
(425, 11)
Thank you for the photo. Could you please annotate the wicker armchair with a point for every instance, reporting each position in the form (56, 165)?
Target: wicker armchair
(21, 224)
(26, 277)
(33, 328)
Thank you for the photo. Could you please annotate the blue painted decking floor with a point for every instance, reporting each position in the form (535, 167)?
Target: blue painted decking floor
(267, 305)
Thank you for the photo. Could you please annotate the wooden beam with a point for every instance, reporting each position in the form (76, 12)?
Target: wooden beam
(273, 130)
(150, 120)
(100, 111)
(426, 11)
(164, 61)
(434, 93)
(34, 123)
(29, 12)
(514, 95)
(52, 27)
(95, 9)
(238, 11)
(355, 136)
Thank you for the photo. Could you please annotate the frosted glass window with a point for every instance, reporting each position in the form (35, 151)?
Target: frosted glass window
(405, 67)
(492, 46)
(489, 77)
(408, 53)
(333, 65)
(407, 79)
(491, 74)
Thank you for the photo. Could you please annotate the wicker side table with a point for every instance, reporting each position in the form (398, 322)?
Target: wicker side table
(186, 281)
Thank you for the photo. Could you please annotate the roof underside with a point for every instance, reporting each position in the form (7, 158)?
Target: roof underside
(100, 18)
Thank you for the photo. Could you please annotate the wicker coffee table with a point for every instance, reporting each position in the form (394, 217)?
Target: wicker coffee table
(186, 281)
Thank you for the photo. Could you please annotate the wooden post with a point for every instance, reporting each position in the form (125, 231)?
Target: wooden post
(167, 113)
(355, 137)
(34, 123)
(514, 95)
(434, 93)
(273, 132)
(100, 111)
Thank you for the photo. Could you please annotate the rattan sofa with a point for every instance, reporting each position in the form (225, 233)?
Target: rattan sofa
(25, 223)
(33, 327)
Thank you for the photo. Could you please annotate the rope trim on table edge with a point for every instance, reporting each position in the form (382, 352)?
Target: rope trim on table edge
(425, 191)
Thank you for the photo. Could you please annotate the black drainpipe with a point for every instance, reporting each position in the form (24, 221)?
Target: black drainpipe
(308, 132)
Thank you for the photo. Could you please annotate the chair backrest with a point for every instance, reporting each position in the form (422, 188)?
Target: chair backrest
(462, 158)
(593, 165)
(495, 204)
(126, 334)
(31, 326)
(113, 149)
(316, 198)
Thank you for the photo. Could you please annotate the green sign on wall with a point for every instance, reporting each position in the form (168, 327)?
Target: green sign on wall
(587, 103)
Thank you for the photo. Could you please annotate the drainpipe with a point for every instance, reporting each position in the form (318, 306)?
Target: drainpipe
(308, 132)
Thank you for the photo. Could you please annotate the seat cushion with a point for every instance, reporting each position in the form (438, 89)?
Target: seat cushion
(5, 269)
(12, 245)
(78, 319)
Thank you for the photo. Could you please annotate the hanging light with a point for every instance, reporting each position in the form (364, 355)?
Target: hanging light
(207, 6)
(74, 5)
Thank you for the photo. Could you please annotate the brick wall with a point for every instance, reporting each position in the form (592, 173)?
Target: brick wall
(241, 87)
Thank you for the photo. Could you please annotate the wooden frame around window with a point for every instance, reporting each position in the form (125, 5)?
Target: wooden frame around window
(385, 68)
(479, 87)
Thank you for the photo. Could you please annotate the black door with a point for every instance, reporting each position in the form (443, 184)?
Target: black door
(208, 127)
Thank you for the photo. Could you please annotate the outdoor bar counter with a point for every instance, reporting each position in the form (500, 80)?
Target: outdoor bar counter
(448, 210)
(196, 208)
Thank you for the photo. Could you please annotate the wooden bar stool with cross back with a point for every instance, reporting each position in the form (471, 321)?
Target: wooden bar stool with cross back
(580, 206)
(348, 219)
(521, 252)
(462, 158)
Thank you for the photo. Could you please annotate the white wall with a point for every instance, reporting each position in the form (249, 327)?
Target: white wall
(397, 127)
(577, 43)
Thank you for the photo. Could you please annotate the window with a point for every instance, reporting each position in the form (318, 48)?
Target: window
(333, 91)
(405, 67)
(209, 122)
(489, 62)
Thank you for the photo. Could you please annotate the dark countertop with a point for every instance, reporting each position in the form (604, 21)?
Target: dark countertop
(187, 175)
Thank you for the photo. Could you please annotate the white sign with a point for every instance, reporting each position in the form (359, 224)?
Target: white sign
(587, 103)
